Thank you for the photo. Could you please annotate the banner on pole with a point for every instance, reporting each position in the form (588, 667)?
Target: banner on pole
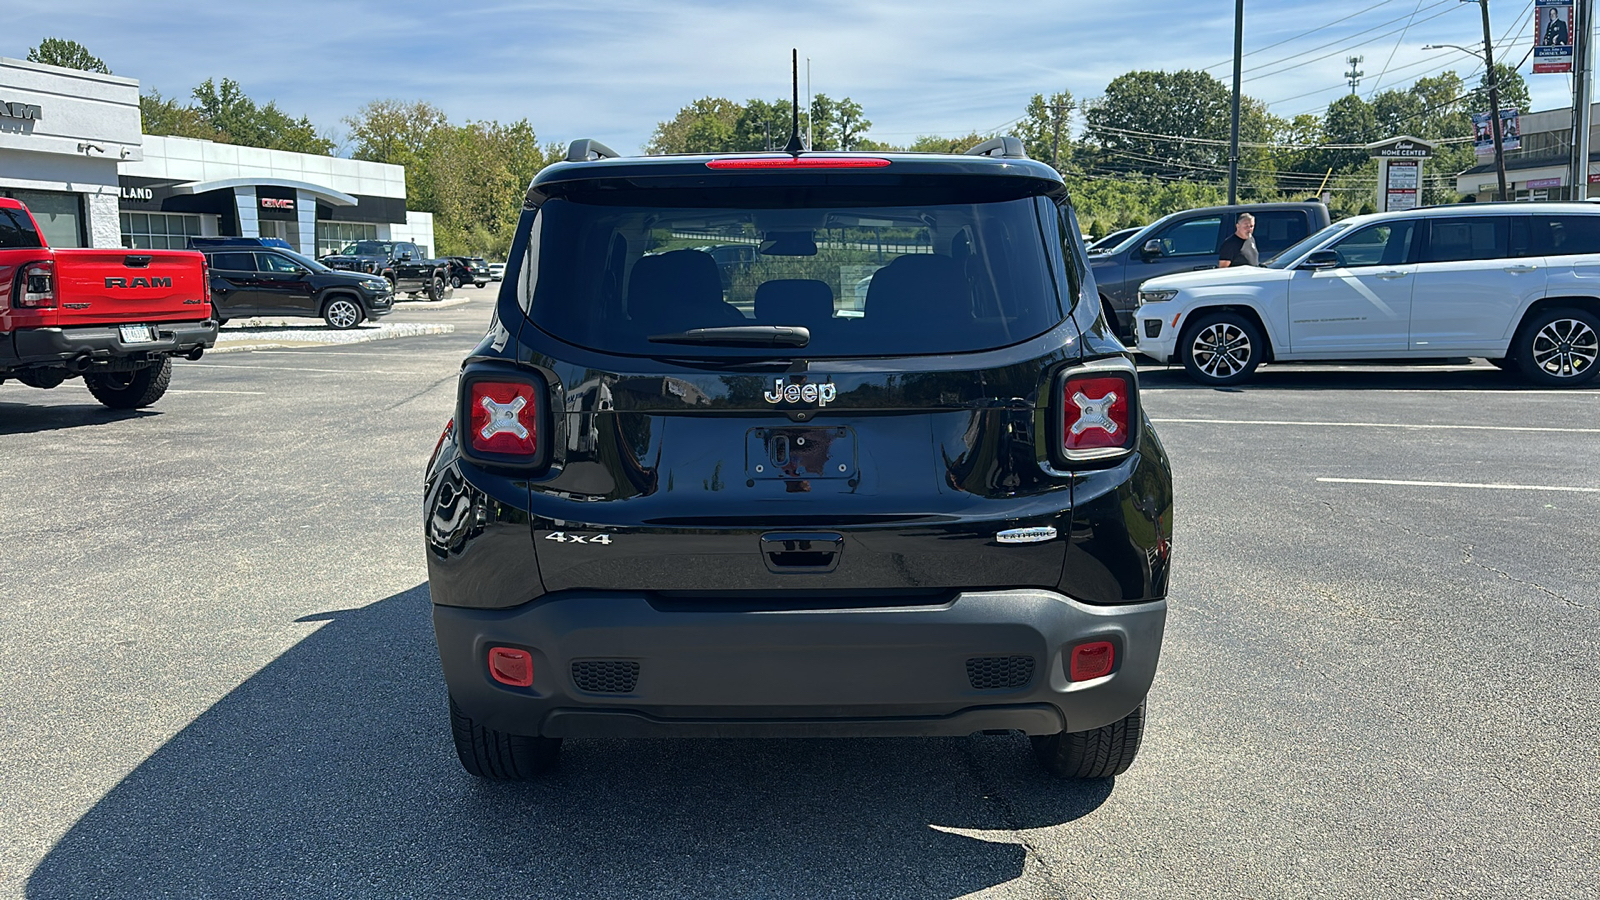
(1483, 133)
(1552, 36)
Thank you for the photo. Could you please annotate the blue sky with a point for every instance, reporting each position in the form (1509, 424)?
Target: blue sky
(612, 70)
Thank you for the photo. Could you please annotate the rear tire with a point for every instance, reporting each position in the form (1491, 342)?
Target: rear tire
(455, 281)
(1222, 348)
(130, 390)
(1559, 348)
(497, 755)
(1100, 753)
(436, 288)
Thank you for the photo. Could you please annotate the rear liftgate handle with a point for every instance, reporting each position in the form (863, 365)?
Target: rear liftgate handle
(802, 553)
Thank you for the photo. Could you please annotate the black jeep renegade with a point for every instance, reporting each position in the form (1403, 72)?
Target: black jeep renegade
(890, 478)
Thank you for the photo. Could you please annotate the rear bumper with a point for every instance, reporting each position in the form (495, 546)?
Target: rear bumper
(101, 344)
(705, 669)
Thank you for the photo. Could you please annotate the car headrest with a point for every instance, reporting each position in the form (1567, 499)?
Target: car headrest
(678, 290)
(794, 301)
(916, 285)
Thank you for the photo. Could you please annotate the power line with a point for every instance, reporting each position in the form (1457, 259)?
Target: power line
(1347, 46)
(1398, 41)
(1344, 41)
(1229, 61)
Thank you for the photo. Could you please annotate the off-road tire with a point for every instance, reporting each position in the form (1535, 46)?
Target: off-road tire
(1100, 753)
(1222, 348)
(497, 755)
(130, 390)
(1558, 348)
(342, 314)
(436, 288)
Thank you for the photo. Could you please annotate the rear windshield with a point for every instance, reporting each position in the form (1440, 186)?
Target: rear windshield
(17, 231)
(865, 280)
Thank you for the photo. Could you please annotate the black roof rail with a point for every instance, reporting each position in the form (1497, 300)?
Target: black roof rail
(1009, 148)
(586, 149)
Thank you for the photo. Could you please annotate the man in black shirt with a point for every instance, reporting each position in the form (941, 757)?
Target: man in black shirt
(1240, 247)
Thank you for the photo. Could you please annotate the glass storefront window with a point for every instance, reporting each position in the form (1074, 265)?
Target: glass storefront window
(334, 236)
(159, 231)
(60, 215)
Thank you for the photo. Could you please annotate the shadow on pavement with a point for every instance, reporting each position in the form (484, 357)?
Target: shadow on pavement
(27, 418)
(331, 772)
(1325, 377)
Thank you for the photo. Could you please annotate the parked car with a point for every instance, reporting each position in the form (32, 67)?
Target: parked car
(497, 271)
(255, 280)
(1517, 284)
(1110, 241)
(402, 262)
(468, 270)
(655, 513)
(113, 317)
(1189, 240)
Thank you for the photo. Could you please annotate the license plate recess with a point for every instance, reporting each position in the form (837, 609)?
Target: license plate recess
(810, 452)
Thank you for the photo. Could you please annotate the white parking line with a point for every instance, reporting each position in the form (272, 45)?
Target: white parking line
(1416, 426)
(1463, 484)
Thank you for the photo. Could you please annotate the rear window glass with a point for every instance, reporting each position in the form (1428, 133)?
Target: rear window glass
(1459, 239)
(17, 231)
(865, 280)
(234, 262)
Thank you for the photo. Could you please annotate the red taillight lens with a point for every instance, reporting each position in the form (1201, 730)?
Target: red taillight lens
(800, 162)
(1090, 661)
(1098, 410)
(508, 665)
(205, 284)
(36, 286)
(505, 418)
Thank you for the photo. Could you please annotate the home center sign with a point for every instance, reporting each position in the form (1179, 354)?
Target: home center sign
(1400, 171)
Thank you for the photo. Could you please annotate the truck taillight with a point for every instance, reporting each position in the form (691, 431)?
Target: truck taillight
(502, 417)
(36, 286)
(1098, 411)
(205, 285)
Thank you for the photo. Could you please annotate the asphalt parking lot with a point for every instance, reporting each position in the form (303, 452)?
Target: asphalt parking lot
(218, 677)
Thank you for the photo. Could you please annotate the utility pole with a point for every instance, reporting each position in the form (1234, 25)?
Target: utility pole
(1494, 100)
(1354, 75)
(1057, 110)
(1233, 142)
(1582, 71)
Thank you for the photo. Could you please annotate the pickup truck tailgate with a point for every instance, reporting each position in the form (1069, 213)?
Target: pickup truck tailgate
(112, 286)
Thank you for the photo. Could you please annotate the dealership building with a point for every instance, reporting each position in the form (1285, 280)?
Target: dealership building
(72, 150)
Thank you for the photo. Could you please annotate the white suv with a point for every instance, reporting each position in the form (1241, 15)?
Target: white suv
(1515, 283)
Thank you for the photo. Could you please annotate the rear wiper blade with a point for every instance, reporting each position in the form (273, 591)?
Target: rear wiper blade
(740, 336)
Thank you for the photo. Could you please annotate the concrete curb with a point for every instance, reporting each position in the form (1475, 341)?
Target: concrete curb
(241, 340)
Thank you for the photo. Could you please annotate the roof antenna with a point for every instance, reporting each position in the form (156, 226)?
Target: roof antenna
(794, 146)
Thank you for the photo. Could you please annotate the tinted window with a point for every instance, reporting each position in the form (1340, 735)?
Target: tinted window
(1564, 235)
(866, 280)
(1276, 231)
(1383, 244)
(1456, 238)
(234, 262)
(272, 262)
(1196, 237)
(367, 248)
(16, 230)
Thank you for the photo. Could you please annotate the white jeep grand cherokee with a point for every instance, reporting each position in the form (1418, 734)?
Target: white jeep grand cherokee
(1515, 283)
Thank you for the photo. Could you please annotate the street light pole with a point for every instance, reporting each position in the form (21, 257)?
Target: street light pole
(1494, 100)
(1582, 63)
(1233, 143)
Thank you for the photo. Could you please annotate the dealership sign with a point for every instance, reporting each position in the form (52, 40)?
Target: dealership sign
(276, 203)
(20, 110)
(1552, 36)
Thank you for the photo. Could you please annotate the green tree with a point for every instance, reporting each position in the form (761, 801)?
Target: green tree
(837, 124)
(1160, 123)
(71, 54)
(1512, 89)
(1043, 128)
(933, 143)
(399, 133)
(238, 120)
(163, 116)
(707, 125)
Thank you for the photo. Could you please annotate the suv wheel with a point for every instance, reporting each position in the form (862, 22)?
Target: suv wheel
(1559, 347)
(342, 313)
(487, 753)
(436, 288)
(131, 390)
(1100, 753)
(1222, 348)
(455, 281)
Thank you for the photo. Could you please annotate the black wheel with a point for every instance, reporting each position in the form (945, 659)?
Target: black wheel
(1559, 347)
(436, 288)
(487, 753)
(342, 313)
(133, 389)
(1100, 753)
(1222, 348)
(455, 281)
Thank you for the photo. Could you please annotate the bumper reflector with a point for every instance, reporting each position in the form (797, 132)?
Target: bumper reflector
(1091, 661)
(509, 666)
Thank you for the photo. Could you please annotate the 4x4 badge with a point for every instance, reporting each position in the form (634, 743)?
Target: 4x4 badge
(820, 394)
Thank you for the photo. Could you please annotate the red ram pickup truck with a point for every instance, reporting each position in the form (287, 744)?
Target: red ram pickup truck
(115, 317)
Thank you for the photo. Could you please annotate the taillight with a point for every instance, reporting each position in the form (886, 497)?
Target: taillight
(36, 286)
(205, 284)
(1098, 412)
(800, 162)
(503, 419)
